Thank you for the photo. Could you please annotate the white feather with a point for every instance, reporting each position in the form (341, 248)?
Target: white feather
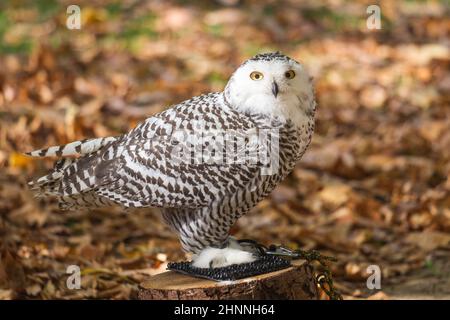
(217, 258)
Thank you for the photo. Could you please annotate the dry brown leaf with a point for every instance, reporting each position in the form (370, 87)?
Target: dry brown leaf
(428, 240)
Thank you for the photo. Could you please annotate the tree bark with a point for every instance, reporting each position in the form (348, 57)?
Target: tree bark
(294, 283)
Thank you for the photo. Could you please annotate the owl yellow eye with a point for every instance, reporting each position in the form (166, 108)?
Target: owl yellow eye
(256, 75)
(290, 74)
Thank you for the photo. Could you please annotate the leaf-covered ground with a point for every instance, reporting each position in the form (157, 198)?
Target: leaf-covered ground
(373, 188)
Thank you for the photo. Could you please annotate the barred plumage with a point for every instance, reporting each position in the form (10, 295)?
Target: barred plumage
(200, 190)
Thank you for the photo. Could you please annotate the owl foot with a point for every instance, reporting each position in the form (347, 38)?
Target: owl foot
(216, 258)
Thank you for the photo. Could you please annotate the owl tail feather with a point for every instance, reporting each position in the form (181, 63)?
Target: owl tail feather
(52, 183)
(73, 149)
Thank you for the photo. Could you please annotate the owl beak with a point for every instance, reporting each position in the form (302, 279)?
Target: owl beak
(275, 88)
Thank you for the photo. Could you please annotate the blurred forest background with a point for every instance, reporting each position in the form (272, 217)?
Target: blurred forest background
(373, 188)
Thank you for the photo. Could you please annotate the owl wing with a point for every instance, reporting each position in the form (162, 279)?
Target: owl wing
(160, 164)
(157, 163)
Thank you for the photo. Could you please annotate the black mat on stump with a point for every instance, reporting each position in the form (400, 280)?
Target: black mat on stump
(263, 265)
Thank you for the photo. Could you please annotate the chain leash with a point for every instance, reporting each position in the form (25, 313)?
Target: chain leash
(323, 280)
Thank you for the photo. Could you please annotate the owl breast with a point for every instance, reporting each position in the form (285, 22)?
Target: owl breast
(291, 145)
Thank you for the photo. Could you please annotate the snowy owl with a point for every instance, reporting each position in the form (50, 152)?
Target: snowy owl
(200, 197)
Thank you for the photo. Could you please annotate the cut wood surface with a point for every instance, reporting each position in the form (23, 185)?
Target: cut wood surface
(296, 282)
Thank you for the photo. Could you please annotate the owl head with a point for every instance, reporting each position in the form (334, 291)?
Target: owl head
(272, 84)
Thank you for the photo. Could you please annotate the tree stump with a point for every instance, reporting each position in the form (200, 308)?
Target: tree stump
(296, 282)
